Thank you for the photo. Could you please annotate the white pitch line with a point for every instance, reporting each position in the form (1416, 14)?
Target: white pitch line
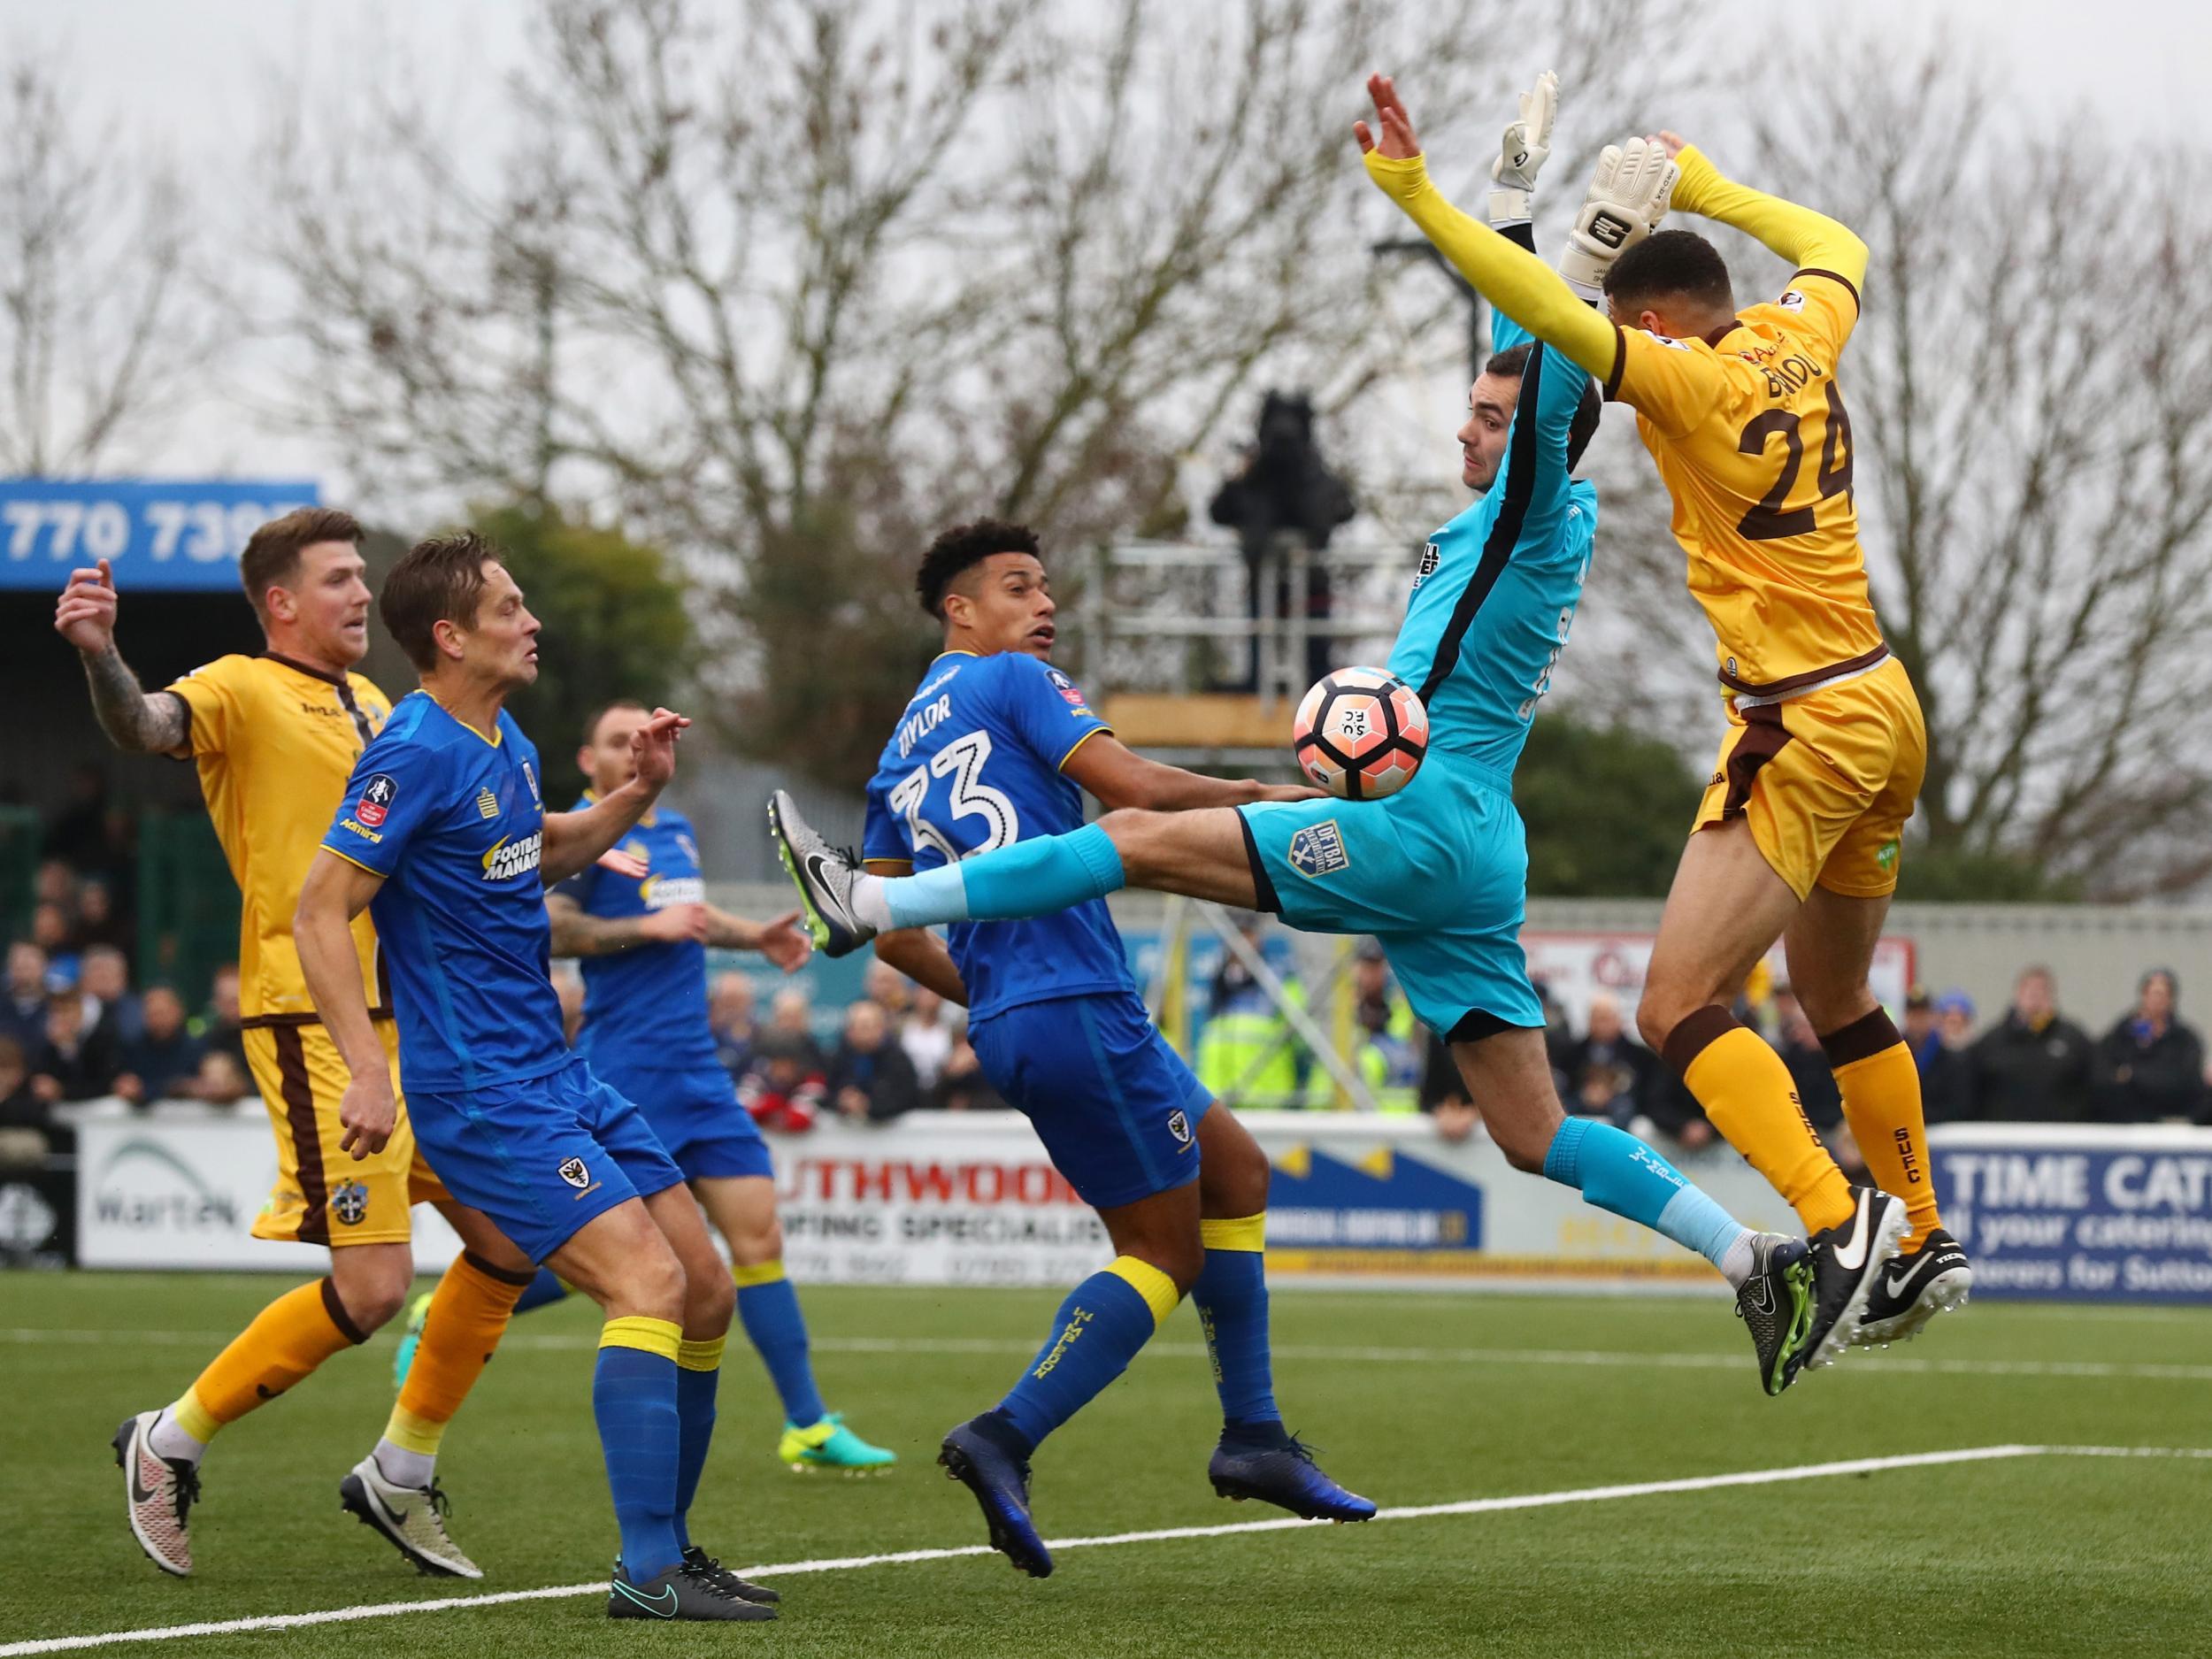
(1885, 1364)
(1471, 1506)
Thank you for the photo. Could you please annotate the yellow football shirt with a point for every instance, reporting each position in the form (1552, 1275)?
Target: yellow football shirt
(275, 741)
(1754, 444)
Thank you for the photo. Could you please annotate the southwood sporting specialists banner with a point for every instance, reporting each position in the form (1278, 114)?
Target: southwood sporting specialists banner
(2121, 1214)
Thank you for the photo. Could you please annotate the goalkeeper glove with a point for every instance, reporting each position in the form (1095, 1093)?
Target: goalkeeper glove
(1628, 197)
(1527, 143)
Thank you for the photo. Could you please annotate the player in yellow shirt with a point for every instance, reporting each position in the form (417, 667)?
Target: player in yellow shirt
(1798, 835)
(275, 738)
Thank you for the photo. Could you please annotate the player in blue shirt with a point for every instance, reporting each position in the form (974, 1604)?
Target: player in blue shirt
(444, 836)
(996, 748)
(643, 939)
(1439, 871)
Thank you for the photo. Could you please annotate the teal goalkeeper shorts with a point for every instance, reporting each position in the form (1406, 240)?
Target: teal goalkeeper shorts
(1438, 872)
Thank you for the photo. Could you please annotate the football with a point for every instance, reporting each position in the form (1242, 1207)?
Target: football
(1361, 733)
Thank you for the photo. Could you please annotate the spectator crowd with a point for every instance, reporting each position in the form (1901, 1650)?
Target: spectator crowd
(77, 1023)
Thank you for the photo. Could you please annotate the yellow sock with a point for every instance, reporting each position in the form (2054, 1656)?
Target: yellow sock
(287, 1339)
(1748, 1093)
(1881, 1101)
(468, 1315)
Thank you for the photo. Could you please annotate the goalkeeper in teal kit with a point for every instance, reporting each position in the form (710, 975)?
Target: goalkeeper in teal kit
(1438, 872)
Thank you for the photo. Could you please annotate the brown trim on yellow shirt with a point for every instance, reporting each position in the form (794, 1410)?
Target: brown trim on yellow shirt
(1810, 677)
(298, 1095)
(1849, 287)
(1620, 366)
(298, 667)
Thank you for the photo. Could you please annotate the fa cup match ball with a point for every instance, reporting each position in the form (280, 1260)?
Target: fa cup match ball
(1361, 733)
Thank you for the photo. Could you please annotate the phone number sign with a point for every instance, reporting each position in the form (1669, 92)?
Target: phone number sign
(156, 533)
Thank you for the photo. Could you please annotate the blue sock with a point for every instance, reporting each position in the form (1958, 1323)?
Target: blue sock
(1231, 1296)
(1618, 1172)
(1031, 877)
(698, 1370)
(544, 1288)
(634, 1397)
(1097, 1332)
(769, 1309)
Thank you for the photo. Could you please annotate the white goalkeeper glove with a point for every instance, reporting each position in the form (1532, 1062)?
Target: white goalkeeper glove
(1628, 197)
(1527, 143)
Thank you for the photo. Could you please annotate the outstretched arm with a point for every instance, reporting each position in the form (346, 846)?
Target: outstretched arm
(85, 616)
(576, 933)
(1513, 279)
(1115, 775)
(573, 841)
(781, 941)
(1807, 240)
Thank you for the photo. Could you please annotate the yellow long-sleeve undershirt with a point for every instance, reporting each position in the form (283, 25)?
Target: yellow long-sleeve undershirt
(1525, 288)
(1807, 240)
(1510, 278)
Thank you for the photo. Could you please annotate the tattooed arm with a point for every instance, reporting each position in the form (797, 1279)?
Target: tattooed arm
(576, 933)
(85, 616)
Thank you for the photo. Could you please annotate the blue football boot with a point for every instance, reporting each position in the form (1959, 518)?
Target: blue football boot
(975, 1455)
(1278, 1469)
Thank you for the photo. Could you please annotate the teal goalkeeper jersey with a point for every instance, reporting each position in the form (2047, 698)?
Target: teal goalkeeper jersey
(1497, 589)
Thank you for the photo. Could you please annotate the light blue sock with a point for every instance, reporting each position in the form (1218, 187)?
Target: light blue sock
(1616, 1171)
(1031, 877)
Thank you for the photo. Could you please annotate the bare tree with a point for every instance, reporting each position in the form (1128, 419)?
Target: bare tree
(790, 282)
(2032, 395)
(101, 332)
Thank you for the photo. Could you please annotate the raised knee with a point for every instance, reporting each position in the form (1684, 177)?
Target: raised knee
(1182, 1262)
(653, 1288)
(374, 1305)
(762, 1244)
(709, 1300)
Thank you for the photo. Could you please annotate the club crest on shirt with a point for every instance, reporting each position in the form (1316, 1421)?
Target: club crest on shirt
(1319, 850)
(531, 778)
(375, 804)
(574, 1173)
(1179, 1126)
(349, 1202)
(1792, 301)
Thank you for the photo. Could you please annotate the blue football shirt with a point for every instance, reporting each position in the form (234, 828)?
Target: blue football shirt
(645, 1009)
(975, 765)
(454, 822)
(1497, 589)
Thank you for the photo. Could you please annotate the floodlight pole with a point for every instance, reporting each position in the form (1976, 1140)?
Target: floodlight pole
(1478, 336)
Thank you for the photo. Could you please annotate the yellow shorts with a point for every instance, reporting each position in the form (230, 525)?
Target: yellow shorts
(1826, 780)
(322, 1195)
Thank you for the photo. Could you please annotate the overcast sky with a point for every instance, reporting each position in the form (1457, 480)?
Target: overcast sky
(192, 67)
(190, 74)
